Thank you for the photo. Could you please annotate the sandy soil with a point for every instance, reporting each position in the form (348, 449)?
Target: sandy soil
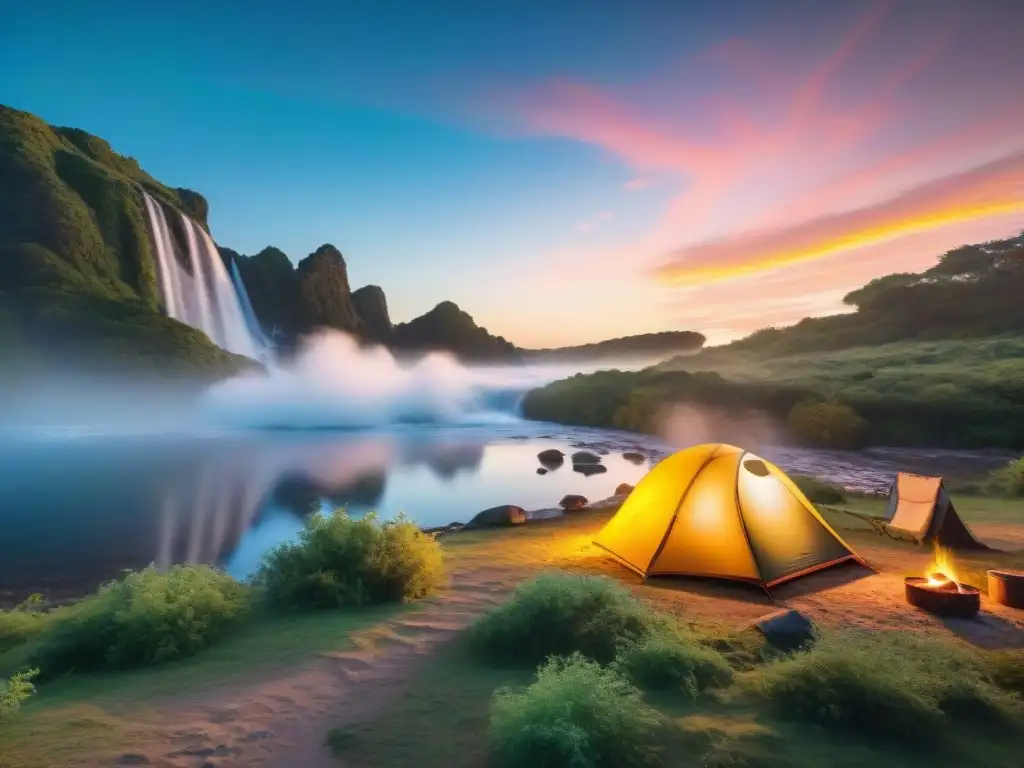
(283, 720)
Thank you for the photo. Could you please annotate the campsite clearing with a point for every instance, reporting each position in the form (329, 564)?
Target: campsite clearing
(401, 692)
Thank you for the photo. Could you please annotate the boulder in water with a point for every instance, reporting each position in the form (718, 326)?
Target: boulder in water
(589, 469)
(506, 514)
(551, 457)
(633, 457)
(573, 502)
(585, 457)
(623, 489)
(541, 471)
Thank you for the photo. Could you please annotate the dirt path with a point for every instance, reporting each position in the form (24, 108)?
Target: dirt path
(283, 721)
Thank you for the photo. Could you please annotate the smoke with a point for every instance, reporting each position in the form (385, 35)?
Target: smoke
(685, 425)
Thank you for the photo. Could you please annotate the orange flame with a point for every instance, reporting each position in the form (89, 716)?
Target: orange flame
(943, 569)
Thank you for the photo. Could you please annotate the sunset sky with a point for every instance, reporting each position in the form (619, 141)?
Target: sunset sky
(564, 171)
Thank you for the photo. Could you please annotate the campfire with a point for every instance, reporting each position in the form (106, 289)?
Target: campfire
(941, 591)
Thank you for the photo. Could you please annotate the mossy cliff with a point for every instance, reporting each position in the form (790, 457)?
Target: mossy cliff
(77, 272)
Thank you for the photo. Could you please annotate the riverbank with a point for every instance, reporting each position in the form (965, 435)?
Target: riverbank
(271, 695)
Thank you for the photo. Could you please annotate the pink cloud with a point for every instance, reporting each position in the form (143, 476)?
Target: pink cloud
(640, 182)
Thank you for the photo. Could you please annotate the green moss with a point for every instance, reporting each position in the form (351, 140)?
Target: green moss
(76, 265)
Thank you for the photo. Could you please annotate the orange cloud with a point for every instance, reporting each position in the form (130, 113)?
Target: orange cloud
(992, 190)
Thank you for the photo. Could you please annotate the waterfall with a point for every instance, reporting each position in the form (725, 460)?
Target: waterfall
(247, 310)
(195, 285)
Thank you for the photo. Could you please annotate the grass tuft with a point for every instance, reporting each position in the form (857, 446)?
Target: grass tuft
(576, 713)
(559, 614)
(339, 561)
(671, 660)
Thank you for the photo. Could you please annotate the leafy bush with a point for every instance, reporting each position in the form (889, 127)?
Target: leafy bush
(818, 491)
(890, 686)
(561, 613)
(576, 713)
(669, 659)
(21, 623)
(827, 424)
(341, 561)
(147, 618)
(15, 692)
(1008, 480)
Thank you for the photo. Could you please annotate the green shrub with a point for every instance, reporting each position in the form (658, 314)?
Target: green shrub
(827, 424)
(147, 618)
(818, 491)
(1008, 480)
(558, 614)
(340, 561)
(576, 713)
(15, 692)
(21, 623)
(889, 686)
(670, 659)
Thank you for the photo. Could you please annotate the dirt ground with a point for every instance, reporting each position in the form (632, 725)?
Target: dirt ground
(283, 720)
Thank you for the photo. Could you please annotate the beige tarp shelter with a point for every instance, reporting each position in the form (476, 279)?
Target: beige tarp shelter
(715, 510)
(920, 508)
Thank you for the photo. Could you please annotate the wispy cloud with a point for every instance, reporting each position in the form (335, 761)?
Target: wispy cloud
(994, 189)
(640, 182)
(593, 222)
(786, 151)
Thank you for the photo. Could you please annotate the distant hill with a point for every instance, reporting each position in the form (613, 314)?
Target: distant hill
(447, 327)
(974, 291)
(641, 346)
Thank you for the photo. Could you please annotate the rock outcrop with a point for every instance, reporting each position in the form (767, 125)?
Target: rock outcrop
(506, 514)
(372, 307)
(326, 299)
(573, 502)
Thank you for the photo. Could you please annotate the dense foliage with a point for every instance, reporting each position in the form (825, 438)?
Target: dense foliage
(949, 393)
(669, 659)
(1008, 480)
(576, 713)
(818, 491)
(147, 618)
(77, 272)
(341, 561)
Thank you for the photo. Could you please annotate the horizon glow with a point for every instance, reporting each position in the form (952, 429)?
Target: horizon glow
(568, 174)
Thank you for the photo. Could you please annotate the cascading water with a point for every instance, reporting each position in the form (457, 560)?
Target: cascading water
(195, 285)
(248, 311)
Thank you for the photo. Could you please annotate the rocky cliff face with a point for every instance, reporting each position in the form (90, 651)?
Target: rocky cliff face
(447, 327)
(77, 271)
(372, 307)
(324, 292)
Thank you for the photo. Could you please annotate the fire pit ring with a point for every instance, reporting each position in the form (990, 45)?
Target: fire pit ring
(943, 599)
(1006, 588)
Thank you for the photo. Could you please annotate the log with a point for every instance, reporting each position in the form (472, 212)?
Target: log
(1006, 588)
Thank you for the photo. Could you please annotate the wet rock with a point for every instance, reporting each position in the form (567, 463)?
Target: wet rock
(623, 489)
(633, 457)
(787, 630)
(585, 457)
(506, 514)
(573, 502)
(589, 469)
(541, 471)
(551, 457)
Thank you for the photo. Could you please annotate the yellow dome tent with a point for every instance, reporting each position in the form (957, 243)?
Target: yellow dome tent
(715, 510)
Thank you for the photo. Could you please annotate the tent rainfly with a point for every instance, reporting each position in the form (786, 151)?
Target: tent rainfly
(920, 507)
(717, 511)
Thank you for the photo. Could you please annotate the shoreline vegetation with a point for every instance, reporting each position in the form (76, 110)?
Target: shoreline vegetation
(648, 674)
(928, 359)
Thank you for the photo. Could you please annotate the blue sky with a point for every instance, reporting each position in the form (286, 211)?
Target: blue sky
(423, 139)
